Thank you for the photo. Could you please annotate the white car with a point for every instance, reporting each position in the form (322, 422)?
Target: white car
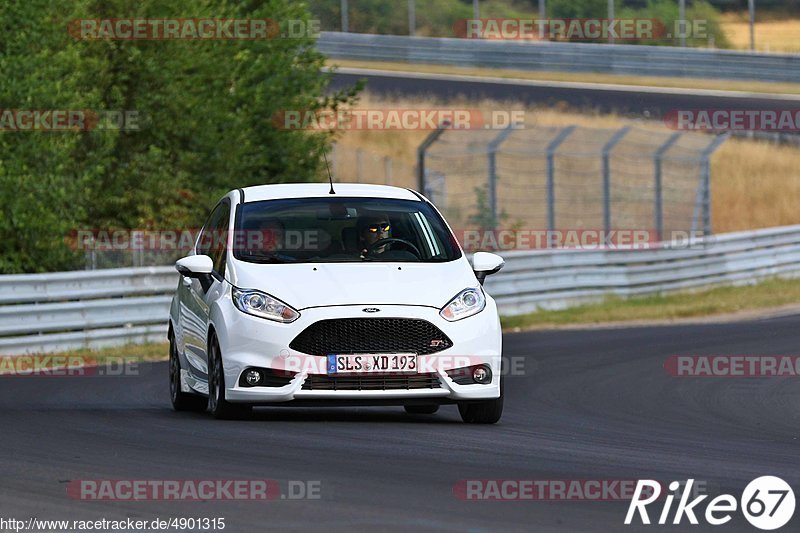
(298, 295)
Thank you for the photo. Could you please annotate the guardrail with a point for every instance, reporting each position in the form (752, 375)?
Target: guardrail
(565, 57)
(559, 279)
(62, 311)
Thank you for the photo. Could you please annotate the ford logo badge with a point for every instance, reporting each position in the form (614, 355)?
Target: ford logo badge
(370, 309)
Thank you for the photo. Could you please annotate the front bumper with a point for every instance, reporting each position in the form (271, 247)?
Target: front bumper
(264, 344)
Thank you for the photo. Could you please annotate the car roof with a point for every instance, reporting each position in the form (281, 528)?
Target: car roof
(311, 190)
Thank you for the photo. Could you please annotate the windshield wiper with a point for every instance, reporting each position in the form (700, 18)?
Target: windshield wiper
(271, 257)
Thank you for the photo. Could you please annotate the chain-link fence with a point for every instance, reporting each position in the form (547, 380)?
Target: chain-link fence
(556, 178)
(541, 179)
(356, 165)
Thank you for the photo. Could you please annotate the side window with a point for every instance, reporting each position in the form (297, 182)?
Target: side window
(213, 239)
(219, 243)
(205, 239)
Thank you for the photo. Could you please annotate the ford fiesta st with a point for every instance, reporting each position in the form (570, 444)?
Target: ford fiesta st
(297, 294)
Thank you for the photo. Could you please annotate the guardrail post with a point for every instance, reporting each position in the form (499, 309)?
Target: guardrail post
(429, 140)
(659, 207)
(494, 144)
(612, 142)
(551, 179)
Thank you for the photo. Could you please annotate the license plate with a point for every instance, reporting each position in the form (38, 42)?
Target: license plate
(372, 363)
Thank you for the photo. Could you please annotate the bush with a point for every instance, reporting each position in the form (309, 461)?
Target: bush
(205, 121)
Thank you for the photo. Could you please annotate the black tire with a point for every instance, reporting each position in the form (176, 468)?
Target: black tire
(421, 409)
(485, 412)
(181, 401)
(219, 407)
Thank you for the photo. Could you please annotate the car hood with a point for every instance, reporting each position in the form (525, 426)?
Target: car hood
(323, 284)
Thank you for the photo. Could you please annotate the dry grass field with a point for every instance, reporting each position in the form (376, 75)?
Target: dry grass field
(774, 32)
(754, 184)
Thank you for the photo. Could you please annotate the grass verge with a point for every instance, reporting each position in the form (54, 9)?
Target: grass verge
(115, 356)
(773, 293)
(158, 351)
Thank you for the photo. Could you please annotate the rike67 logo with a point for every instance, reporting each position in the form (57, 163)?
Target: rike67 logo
(767, 503)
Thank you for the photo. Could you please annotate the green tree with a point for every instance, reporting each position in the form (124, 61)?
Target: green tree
(205, 112)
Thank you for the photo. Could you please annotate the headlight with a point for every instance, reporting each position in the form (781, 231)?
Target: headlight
(468, 302)
(263, 305)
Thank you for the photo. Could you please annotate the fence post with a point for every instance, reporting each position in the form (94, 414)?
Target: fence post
(705, 182)
(611, 21)
(387, 170)
(334, 167)
(659, 207)
(136, 252)
(429, 140)
(612, 142)
(551, 179)
(494, 144)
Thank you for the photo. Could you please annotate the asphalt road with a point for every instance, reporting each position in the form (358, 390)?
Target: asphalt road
(592, 404)
(650, 103)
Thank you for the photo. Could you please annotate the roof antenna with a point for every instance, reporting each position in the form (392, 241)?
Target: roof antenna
(330, 177)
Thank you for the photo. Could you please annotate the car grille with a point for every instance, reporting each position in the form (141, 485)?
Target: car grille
(372, 382)
(371, 335)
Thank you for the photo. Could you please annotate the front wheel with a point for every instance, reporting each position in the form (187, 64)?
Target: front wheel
(482, 412)
(219, 407)
(181, 401)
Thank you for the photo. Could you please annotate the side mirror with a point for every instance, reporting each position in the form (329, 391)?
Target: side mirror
(485, 263)
(195, 266)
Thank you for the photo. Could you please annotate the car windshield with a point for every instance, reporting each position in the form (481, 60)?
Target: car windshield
(312, 230)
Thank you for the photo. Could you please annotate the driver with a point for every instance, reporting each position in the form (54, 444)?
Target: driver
(371, 229)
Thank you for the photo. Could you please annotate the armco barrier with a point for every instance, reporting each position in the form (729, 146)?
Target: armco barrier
(560, 279)
(621, 59)
(69, 310)
(62, 311)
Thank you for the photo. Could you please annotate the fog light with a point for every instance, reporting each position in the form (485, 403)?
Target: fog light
(482, 374)
(252, 377)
